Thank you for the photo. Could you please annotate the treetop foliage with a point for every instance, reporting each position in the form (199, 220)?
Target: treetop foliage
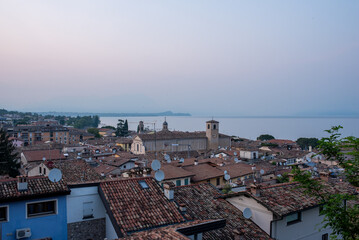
(265, 137)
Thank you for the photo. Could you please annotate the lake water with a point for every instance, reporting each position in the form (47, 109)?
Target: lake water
(280, 128)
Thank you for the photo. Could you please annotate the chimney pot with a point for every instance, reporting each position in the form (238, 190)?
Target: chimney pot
(168, 190)
(21, 183)
(255, 190)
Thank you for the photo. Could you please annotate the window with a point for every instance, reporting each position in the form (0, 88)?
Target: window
(214, 126)
(40, 170)
(209, 126)
(4, 214)
(325, 236)
(178, 182)
(87, 210)
(44, 171)
(41, 208)
(138, 147)
(186, 181)
(218, 181)
(293, 218)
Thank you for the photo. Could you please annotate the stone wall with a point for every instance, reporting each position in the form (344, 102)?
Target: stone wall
(91, 229)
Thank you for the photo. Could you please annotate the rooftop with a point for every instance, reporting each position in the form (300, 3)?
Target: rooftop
(37, 187)
(38, 155)
(137, 204)
(203, 172)
(203, 202)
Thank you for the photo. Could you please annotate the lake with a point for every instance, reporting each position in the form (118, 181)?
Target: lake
(251, 128)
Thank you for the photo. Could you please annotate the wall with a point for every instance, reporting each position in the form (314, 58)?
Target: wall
(175, 180)
(75, 204)
(53, 226)
(213, 181)
(306, 229)
(225, 142)
(248, 154)
(110, 231)
(35, 171)
(260, 215)
(166, 145)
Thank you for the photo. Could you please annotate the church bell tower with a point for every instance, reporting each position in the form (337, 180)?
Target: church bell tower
(212, 134)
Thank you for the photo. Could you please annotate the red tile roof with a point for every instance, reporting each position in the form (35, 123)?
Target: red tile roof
(237, 170)
(173, 172)
(203, 172)
(76, 171)
(39, 186)
(134, 208)
(203, 202)
(283, 199)
(38, 155)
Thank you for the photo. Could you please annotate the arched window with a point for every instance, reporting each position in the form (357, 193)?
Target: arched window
(138, 147)
(209, 126)
(214, 126)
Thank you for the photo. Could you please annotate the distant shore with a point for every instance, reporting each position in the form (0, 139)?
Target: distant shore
(161, 114)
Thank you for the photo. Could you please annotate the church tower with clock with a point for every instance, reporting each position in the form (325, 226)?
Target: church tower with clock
(212, 134)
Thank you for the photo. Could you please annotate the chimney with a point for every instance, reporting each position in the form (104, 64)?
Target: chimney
(21, 183)
(195, 162)
(310, 148)
(324, 176)
(182, 208)
(238, 235)
(168, 190)
(147, 172)
(255, 190)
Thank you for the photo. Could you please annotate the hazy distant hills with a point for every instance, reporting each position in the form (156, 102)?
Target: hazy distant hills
(71, 114)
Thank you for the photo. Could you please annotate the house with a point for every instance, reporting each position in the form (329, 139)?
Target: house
(206, 172)
(248, 154)
(285, 211)
(204, 201)
(33, 206)
(106, 132)
(124, 143)
(176, 141)
(136, 204)
(177, 175)
(30, 156)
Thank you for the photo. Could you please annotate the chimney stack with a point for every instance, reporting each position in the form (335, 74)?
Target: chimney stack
(195, 162)
(182, 208)
(310, 148)
(324, 176)
(255, 190)
(21, 183)
(168, 190)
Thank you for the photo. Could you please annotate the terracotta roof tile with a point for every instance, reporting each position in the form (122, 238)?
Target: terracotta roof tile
(203, 202)
(37, 187)
(76, 171)
(38, 155)
(135, 208)
(203, 172)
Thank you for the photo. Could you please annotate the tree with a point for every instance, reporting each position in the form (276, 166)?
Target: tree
(109, 127)
(122, 128)
(95, 132)
(265, 137)
(340, 216)
(304, 143)
(8, 157)
(283, 178)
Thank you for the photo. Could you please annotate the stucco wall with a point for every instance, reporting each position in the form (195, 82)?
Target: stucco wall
(110, 231)
(76, 200)
(306, 229)
(260, 215)
(53, 226)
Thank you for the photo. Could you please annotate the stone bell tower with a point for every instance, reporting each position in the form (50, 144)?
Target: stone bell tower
(212, 134)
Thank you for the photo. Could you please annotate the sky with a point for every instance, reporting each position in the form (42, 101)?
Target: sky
(207, 58)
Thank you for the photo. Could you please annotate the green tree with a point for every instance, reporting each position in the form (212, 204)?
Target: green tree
(122, 128)
(283, 178)
(340, 216)
(94, 131)
(227, 189)
(265, 137)
(109, 127)
(304, 143)
(8, 157)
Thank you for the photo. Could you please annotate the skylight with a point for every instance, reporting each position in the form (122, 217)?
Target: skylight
(143, 184)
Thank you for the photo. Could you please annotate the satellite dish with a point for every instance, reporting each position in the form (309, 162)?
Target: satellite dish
(43, 159)
(227, 177)
(235, 153)
(167, 157)
(236, 160)
(247, 213)
(225, 172)
(155, 165)
(159, 175)
(55, 175)
(315, 169)
(261, 171)
(181, 160)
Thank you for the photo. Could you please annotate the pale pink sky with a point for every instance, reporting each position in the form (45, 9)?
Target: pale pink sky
(204, 57)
